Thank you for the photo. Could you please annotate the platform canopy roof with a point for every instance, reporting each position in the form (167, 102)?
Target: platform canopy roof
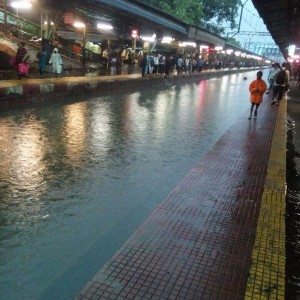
(139, 9)
(134, 13)
(282, 18)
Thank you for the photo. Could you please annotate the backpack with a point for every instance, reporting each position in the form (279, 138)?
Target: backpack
(281, 77)
(151, 61)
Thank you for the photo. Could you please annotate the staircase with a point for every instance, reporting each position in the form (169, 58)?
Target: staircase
(72, 61)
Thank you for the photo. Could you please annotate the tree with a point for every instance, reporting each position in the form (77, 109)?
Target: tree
(222, 11)
(189, 11)
(234, 42)
(200, 12)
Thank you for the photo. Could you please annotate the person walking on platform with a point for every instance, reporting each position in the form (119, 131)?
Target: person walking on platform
(20, 60)
(257, 89)
(279, 85)
(287, 68)
(298, 76)
(41, 56)
(56, 62)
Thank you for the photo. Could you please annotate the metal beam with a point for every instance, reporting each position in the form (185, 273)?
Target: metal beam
(252, 33)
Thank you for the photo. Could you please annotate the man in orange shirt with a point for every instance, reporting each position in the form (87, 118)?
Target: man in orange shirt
(257, 89)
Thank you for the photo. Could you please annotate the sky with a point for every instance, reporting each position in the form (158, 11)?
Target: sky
(251, 21)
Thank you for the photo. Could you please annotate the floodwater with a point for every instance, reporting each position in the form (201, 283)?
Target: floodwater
(77, 178)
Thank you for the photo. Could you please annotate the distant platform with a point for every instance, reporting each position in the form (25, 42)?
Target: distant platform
(18, 92)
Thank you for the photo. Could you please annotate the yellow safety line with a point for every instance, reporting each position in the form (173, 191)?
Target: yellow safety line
(267, 272)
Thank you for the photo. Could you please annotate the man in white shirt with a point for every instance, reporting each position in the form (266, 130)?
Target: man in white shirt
(272, 76)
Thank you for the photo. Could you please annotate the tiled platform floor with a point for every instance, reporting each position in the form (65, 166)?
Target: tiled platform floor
(198, 243)
(267, 273)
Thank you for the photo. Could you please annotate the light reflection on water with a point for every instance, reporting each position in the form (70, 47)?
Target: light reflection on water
(77, 179)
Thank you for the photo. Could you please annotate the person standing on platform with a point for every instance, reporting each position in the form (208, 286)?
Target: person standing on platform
(271, 77)
(257, 89)
(179, 65)
(143, 64)
(298, 76)
(41, 56)
(156, 63)
(56, 62)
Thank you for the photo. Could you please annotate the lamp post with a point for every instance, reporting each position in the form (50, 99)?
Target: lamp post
(5, 16)
(106, 27)
(134, 35)
(242, 9)
(81, 25)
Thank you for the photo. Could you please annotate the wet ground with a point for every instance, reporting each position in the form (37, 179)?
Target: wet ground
(78, 178)
(293, 198)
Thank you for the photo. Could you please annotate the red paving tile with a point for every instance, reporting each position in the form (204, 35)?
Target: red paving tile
(197, 244)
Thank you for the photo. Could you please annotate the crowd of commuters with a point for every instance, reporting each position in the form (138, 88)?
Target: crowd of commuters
(279, 85)
(279, 81)
(50, 59)
(157, 63)
(45, 56)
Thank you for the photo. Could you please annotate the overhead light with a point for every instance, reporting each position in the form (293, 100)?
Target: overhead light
(186, 44)
(237, 53)
(229, 51)
(134, 33)
(218, 48)
(203, 47)
(291, 50)
(79, 24)
(21, 4)
(104, 26)
(149, 38)
(51, 23)
(167, 40)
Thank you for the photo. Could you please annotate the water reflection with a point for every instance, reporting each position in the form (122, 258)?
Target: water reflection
(75, 131)
(22, 151)
(77, 179)
(100, 130)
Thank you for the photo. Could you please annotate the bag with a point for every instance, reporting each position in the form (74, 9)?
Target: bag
(281, 78)
(287, 87)
(151, 61)
(23, 69)
(13, 61)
